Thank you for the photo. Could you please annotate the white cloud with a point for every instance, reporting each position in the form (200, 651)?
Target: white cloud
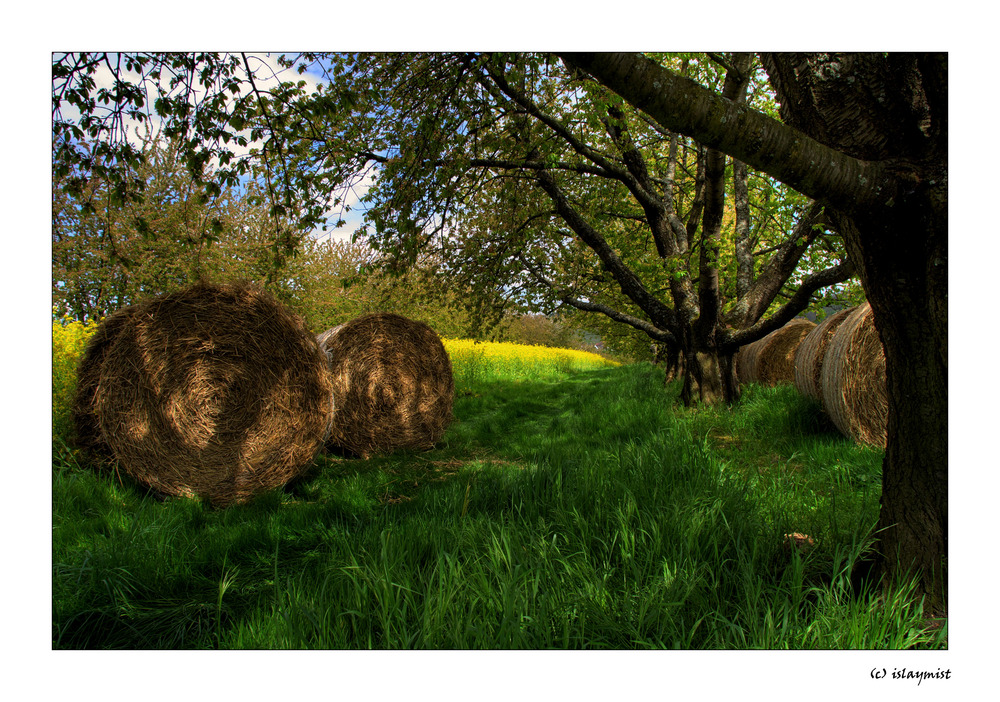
(350, 208)
(267, 75)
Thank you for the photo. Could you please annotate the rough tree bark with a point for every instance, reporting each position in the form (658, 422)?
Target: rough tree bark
(707, 365)
(901, 248)
(866, 135)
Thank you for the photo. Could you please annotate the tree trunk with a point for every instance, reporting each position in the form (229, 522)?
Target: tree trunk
(702, 379)
(709, 376)
(900, 246)
(868, 138)
(730, 383)
(672, 359)
(904, 275)
(743, 245)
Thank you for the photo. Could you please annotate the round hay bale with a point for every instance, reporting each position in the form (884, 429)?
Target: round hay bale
(746, 361)
(853, 379)
(216, 391)
(393, 383)
(776, 358)
(809, 355)
(771, 360)
(322, 338)
(88, 376)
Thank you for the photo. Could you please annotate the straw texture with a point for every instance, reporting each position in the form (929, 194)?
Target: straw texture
(809, 355)
(771, 360)
(393, 384)
(216, 391)
(88, 381)
(853, 379)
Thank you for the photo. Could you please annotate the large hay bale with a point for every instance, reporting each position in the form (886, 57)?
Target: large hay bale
(393, 383)
(88, 377)
(217, 391)
(809, 355)
(853, 379)
(746, 361)
(771, 360)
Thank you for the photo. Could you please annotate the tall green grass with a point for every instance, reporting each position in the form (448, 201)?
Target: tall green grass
(585, 511)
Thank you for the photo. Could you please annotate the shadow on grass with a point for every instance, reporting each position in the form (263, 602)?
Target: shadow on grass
(574, 513)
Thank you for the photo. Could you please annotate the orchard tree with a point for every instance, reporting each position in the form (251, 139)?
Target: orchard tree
(336, 280)
(866, 135)
(538, 188)
(453, 140)
(226, 115)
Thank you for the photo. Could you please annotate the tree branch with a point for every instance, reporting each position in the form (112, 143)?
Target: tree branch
(764, 143)
(709, 295)
(642, 325)
(531, 165)
(658, 208)
(767, 285)
(630, 284)
(734, 339)
(499, 82)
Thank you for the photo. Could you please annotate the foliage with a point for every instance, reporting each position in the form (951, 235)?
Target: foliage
(335, 280)
(525, 185)
(107, 254)
(223, 111)
(106, 257)
(328, 288)
(538, 190)
(541, 330)
(69, 339)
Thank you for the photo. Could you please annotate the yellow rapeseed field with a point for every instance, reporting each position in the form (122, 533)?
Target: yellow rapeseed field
(472, 361)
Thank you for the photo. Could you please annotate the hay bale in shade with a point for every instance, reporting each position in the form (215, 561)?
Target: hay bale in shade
(217, 391)
(853, 379)
(809, 355)
(776, 360)
(771, 360)
(393, 383)
(746, 361)
(88, 376)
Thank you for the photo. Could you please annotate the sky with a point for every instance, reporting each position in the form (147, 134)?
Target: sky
(268, 73)
(34, 31)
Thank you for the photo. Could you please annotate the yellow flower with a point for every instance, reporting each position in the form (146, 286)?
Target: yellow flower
(69, 339)
(517, 361)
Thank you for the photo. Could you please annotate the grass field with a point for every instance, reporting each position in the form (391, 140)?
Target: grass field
(573, 504)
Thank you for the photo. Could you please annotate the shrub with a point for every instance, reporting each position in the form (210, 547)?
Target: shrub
(69, 338)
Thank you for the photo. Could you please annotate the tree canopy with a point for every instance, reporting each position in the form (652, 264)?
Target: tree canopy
(532, 187)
